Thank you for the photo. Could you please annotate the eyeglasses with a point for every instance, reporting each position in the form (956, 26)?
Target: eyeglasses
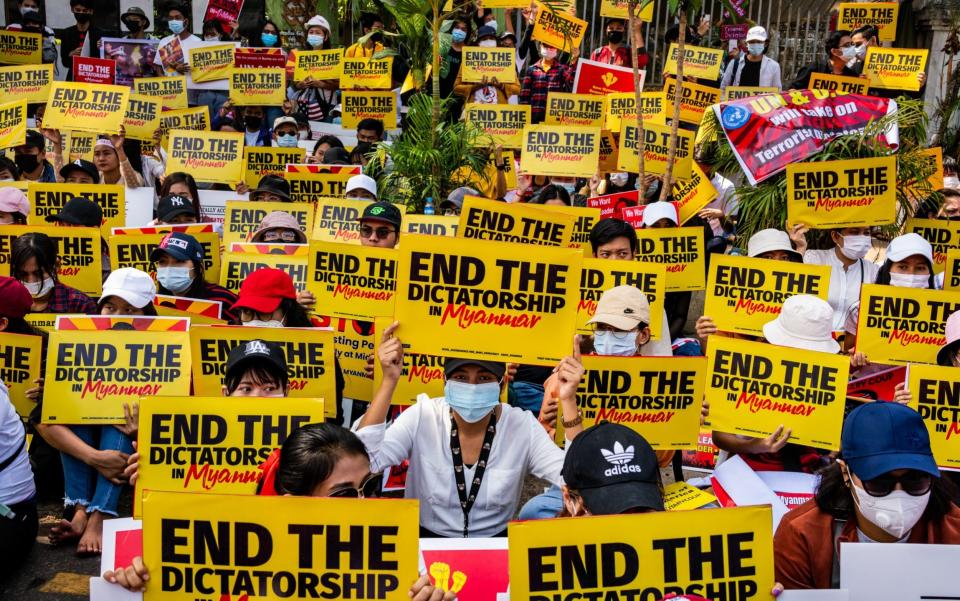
(369, 489)
(451, 212)
(913, 482)
(618, 334)
(367, 231)
(283, 236)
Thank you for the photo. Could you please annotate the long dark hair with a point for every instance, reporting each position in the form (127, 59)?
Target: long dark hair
(550, 192)
(33, 246)
(179, 177)
(834, 497)
(883, 275)
(295, 316)
(310, 454)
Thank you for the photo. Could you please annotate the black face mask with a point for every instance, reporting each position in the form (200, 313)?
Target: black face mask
(614, 37)
(133, 25)
(82, 17)
(377, 36)
(253, 122)
(26, 162)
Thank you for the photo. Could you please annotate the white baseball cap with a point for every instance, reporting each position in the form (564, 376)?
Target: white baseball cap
(908, 245)
(655, 211)
(757, 34)
(768, 240)
(317, 21)
(286, 119)
(361, 182)
(132, 285)
(805, 322)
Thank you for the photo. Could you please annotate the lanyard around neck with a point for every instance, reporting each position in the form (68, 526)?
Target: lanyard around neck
(467, 497)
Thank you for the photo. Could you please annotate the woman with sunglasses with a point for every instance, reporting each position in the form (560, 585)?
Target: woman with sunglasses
(885, 488)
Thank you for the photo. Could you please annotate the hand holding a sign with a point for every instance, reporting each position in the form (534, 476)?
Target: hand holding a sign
(423, 590)
(133, 577)
(131, 418)
(798, 235)
(901, 394)
(569, 373)
(734, 443)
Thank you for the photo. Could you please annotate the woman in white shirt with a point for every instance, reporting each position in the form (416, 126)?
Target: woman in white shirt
(468, 452)
(848, 268)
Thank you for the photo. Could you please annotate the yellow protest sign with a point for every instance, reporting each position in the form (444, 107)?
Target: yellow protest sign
(13, 123)
(20, 47)
(895, 68)
(622, 106)
(258, 87)
(617, 556)
(27, 82)
(608, 152)
(268, 160)
(681, 251)
(238, 265)
(837, 194)
(354, 341)
(196, 119)
(210, 63)
(45, 322)
(79, 146)
(358, 106)
(209, 156)
(355, 282)
(366, 73)
(585, 219)
(692, 195)
(558, 29)
(583, 110)
(87, 107)
(479, 63)
(702, 63)
(483, 219)
(242, 545)
(882, 15)
(560, 150)
(142, 117)
(933, 159)
(942, 234)
(172, 91)
(839, 84)
(200, 312)
(49, 199)
(682, 496)
(242, 218)
(338, 220)
(738, 92)
(20, 356)
(78, 249)
(491, 301)
(754, 388)
(743, 293)
(317, 64)
(617, 9)
(309, 186)
(695, 99)
(502, 122)
(656, 149)
(134, 251)
(90, 374)
(600, 275)
(309, 353)
(898, 325)
(422, 374)
(951, 275)
(431, 225)
(935, 391)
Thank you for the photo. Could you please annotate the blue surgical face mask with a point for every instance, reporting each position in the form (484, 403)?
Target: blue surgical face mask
(755, 49)
(268, 39)
(174, 279)
(315, 40)
(287, 141)
(472, 402)
(615, 344)
(459, 35)
(176, 26)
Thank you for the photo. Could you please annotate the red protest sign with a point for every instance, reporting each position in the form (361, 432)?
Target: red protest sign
(734, 32)
(225, 11)
(612, 205)
(476, 569)
(601, 79)
(94, 70)
(878, 386)
(259, 58)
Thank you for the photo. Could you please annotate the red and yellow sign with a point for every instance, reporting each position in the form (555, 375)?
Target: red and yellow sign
(935, 390)
(87, 107)
(268, 160)
(28, 82)
(13, 123)
(21, 367)
(694, 102)
(20, 48)
(623, 107)
(560, 150)
(502, 122)
(520, 223)
(558, 29)
(366, 73)
(656, 149)
(355, 282)
(209, 156)
(258, 87)
(582, 110)
(358, 106)
(837, 194)
(479, 63)
(171, 90)
(680, 250)
(895, 68)
(702, 63)
(839, 84)
(210, 63)
(142, 118)
(317, 64)
(882, 15)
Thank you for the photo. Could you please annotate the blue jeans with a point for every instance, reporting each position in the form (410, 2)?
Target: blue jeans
(543, 506)
(84, 485)
(528, 396)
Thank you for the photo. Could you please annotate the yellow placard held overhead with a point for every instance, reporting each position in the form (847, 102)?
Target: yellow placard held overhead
(702, 63)
(837, 194)
(600, 275)
(317, 64)
(142, 118)
(656, 397)
(899, 326)
(355, 282)
(479, 63)
(692, 195)
(21, 367)
(680, 250)
(622, 106)
(27, 82)
(489, 301)
(617, 9)
(895, 68)
(171, 90)
(232, 545)
(561, 30)
(942, 234)
(268, 160)
(935, 390)
(90, 374)
(195, 119)
(738, 92)
(882, 15)
(78, 249)
(483, 219)
(242, 218)
(210, 63)
(18, 47)
(744, 293)
(421, 374)
(309, 186)
(79, 146)
(621, 557)
(656, 150)
(431, 225)
(258, 87)
(209, 156)
(366, 73)
(582, 110)
(13, 123)
(88, 107)
(502, 122)
(49, 199)
(694, 102)
(560, 150)
(237, 266)
(838, 83)
(358, 106)
(754, 388)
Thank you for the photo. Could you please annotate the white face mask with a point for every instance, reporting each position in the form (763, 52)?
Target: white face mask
(619, 179)
(909, 280)
(856, 247)
(549, 53)
(849, 53)
(211, 38)
(861, 51)
(259, 323)
(613, 344)
(949, 181)
(39, 289)
(487, 43)
(896, 514)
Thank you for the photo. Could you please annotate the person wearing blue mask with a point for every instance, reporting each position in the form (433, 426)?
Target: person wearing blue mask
(269, 36)
(450, 67)
(178, 22)
(465, 436)
(285, 131)
(753, 68)
(179, 260)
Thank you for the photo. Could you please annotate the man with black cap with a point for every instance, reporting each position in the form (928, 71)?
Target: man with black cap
(80, 172)
(380, 225)
(79, 211)
(174, 209)
(256, 368)
(271, 188)
(336, 156)
(136, 22)
(31, 158)
(32, 22)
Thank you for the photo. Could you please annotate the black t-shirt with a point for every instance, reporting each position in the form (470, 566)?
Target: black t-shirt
(750, 73)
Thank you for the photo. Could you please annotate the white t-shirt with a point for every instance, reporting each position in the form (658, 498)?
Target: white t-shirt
(726, 201)
(192, 42)
(844, 283)
(16, 481)
(422, 434)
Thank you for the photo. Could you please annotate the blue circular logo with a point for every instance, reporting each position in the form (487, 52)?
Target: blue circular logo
(735, 117)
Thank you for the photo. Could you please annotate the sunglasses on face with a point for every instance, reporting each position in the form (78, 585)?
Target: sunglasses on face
(284, 236)
(913, 482)
(369, 489)
(382, 232)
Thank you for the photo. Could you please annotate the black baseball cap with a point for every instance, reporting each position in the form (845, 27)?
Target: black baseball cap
(180, 246)
(336, 156)
(451, 364)
(614, 470)
(255, 351)
(35, 139)
(81, 165)
(274, 184)
(382, 211)
(79, 211)
(174, 205)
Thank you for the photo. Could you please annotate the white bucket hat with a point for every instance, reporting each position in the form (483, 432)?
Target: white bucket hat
(655, 211)
(805, 322)
(770, 239)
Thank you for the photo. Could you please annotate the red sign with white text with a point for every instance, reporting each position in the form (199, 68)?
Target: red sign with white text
(611, 205)
(94, 70)
(259, 58)
(601, 79)
(225, 11)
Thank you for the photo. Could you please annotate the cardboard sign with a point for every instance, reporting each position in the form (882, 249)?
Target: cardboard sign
(594, 77)
(837, 194)
(49, 199)
(744, 293)
(936, 390)
(609, 153)
(29, 82)
(431, 225)
(754, 388)
(476, 569)
(838, 83)
(237, 266)
(600, 275)
(354, 341)
(210, 63)
(622, 107)
(933, 159)
(195, 119)
(86, 107)
(355, 282)
(681, 251)
(209, 156)
(882, 15)
(738, 92)
(317, 64)
(20, 354)
(171, 90)
(560, 30)
(898, 326)
(496, 221)
(358, 106)
(878, 386)
(13, 124)
(560, 150)
(656, 149)
(479, 63)
(259, 161)
(692, 195)
(94, 70)
(618, 556)
(618, 9)
(586, 218)
(258, 87)
(701, 63)
(422, 374)
(493, 301)
(502, 122)
(942, 234)
(364, 550)
(90, 374)
(338, 220)
(894, 68)
(21, 48)
(243, 218)
(582, 110)
(78, 249)
(135, 250)
(682, 496)
(142, 117)
(366, 73)
(694, 102)
(312, 185)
